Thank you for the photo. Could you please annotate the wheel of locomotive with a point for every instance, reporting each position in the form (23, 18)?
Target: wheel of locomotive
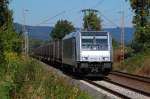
(74, 69)
(62, 68)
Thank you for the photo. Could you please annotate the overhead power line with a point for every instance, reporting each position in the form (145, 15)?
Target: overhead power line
(108, 19)
(98, 4)
(45, 21)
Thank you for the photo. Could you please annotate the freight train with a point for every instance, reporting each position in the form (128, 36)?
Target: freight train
(83, 52)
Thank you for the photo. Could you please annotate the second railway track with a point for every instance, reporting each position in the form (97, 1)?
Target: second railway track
(124, 85)
(135, 83)
(117, 90)
(131, 76)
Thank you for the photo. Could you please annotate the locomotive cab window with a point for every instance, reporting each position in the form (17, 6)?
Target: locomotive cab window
(94, 41)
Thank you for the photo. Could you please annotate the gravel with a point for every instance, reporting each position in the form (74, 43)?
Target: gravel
(123, 91)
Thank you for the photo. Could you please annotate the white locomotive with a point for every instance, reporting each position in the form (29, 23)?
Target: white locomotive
(88, 52)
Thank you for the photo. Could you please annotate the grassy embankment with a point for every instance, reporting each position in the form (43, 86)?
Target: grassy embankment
(138, 63)
(22, 78)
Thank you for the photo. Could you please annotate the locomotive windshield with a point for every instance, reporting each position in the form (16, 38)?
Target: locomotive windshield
(94, 41)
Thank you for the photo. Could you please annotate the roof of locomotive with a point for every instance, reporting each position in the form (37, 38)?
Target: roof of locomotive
(74, 34)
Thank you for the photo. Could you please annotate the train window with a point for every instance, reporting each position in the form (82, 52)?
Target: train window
(94, 40)
(102, 44)
(94, 43)
(93, 33)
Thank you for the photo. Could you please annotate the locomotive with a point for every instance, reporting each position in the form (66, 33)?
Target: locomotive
(83, 52)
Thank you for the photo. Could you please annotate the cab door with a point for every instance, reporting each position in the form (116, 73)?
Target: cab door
(74, 50)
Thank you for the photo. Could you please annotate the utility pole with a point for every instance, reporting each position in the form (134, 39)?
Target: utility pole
(25, 32)
(87, 12)
(122, 37)
(122, 34)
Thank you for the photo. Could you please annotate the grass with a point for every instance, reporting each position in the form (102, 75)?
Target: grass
(23, 78)
(136, 64)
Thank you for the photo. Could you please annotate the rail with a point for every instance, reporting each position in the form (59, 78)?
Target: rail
(145, 80)
(108, 90)
(132, 76)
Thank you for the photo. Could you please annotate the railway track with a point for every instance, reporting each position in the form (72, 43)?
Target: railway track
(108, 90)
(132, 82)
(131, 76)
(118, 90)
(138, 87)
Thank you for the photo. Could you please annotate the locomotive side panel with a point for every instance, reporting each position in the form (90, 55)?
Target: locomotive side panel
(60, 52)
(69, 52)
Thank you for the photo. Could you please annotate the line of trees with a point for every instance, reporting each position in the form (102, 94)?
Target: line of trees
(62, 28)
(141, 22)
(10, 41)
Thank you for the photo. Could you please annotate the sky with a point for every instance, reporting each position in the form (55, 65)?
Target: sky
(48, 12)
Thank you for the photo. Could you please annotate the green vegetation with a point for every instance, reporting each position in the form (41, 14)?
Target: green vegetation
(34, 43)
(9, 40)
(115, 44)
(27, 79)
(141, 22)
(92, 22)
(136, 64)
(62, 28)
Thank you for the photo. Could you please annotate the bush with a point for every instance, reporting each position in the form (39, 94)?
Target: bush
(136, 64)
(145, 69)
(25, 78)
(138, 47)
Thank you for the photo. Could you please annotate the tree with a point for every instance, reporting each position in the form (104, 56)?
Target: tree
(141, 9)
(5, 13)
(62, 28)
(10, 41)
(141, 22)
(92, 22)
(35, 43)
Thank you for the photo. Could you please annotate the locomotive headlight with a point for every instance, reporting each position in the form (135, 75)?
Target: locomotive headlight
(106, 58)
(84, 58)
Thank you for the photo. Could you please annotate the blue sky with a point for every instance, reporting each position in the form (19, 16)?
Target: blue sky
(40, 10)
